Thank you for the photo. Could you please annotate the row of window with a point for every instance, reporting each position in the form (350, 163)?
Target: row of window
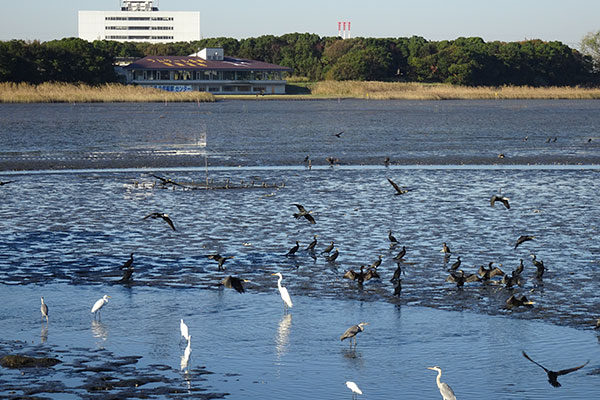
(138, 18)
(138, 28)
(135, 37)
(208, 75)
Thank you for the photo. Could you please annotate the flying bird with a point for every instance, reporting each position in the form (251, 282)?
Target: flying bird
(553, 375)
(399, 190)
(503, 199)
(219, 259)
(235, 283)
(512, 302)
(166, 181)
(5, 183)
(164, 216)
(303, 213)
(522, 239)
(339, 134)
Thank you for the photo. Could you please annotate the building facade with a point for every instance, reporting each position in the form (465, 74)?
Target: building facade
(139, 21)
(208, 71)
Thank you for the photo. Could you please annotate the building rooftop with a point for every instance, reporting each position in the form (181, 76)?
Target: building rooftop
(195, 63)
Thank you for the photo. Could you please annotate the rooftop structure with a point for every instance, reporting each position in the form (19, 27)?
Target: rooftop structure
(140, 21)
(208, 71)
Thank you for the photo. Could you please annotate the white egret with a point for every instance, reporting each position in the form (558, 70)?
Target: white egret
(285, 296)
(354, 387)
(184, 330)
(99, 304)
(445, 390)
(44, 309)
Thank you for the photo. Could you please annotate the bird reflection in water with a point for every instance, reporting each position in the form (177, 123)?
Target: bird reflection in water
(283, 333)
(185, 358)
(99, 330)
(44, 333)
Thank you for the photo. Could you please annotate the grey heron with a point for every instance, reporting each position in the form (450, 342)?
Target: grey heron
(353, 331)
(44, 309)
(285, 295)
(553, 375)
(445, 389)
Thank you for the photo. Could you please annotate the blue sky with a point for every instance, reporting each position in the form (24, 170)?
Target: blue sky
(506, 20)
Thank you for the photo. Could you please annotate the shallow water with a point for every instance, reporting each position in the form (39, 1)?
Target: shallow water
(65, 232)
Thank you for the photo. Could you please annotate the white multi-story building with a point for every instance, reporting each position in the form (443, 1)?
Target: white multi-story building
(140, 21)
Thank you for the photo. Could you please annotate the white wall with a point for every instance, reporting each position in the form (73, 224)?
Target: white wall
(186, 25)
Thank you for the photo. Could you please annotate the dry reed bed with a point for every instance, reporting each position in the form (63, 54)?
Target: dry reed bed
(419, 91)
(109, 93)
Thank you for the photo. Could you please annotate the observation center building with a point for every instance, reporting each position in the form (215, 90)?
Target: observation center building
(209, 70)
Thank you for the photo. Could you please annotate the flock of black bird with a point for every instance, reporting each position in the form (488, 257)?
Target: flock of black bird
(483, 275)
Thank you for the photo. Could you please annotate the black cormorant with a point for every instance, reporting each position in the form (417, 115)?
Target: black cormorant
(523, 238)
(339, 134)
(512, 301)
(401, 254)
(164, 216)
(293, 250)
(397, 287)
(220, 259)
(460, 278)
(331, 257)
(392, 238)
(503, 199)
(377, 262)
(235, 283)
(456, 264)
(539, 264)
(327, 249)
(553, 375)
(487, 273)
(398, 189)
(311, 245)
(127, 263)
(303, 213)
(519, 269)
(445, 248)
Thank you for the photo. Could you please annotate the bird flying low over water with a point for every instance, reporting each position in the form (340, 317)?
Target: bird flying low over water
(503, 199)
(553, 375)
(164, 216)
(235, 283)
(220, 259)
(5, 183)
(303, 213)
(522, 239)
(166, 181)
(398, 189)
(339, 134)
(460, 278)
(512, 302)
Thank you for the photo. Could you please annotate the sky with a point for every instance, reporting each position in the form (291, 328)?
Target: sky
(506, 20)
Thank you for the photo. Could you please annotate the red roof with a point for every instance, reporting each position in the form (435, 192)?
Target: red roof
(197, 63)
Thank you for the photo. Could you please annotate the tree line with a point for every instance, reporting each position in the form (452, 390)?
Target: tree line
(466, 61)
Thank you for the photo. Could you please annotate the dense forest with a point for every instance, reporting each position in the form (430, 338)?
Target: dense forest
(465, 61)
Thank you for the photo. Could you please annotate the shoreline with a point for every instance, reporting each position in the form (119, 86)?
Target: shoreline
(22, 93)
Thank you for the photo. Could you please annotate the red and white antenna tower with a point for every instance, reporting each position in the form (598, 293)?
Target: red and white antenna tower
(342, 31)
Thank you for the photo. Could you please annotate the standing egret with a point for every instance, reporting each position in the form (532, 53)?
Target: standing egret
(185, 359)
(353, 331)
(184, 330)
(445, 390)
(99, 304)
(44, 309)
(285, 296)
(354, 387)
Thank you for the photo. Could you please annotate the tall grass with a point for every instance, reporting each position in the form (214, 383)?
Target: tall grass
(419, 91)
(70, 93)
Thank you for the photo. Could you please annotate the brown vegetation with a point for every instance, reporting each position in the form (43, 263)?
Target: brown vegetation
(81, 93)
(420, 91)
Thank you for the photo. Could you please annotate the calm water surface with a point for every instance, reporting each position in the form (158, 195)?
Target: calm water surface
(65, 232)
